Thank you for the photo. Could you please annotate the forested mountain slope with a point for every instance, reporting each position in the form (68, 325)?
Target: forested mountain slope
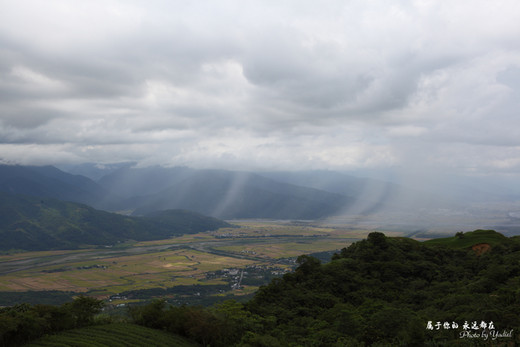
(219, 193)
(49, 182)
(31, 223)
(377, 292)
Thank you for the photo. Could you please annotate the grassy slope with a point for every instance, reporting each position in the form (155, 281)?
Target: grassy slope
(470, 239)
(117, 334)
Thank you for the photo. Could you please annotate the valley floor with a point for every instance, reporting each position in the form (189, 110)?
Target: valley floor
(230, 261)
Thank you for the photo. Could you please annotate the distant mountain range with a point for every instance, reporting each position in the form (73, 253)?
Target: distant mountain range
(35, 223)
(48, 181)
(127, 190)
(139, 191)
(218, 193)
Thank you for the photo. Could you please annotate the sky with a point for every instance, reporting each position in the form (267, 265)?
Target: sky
(423, 86)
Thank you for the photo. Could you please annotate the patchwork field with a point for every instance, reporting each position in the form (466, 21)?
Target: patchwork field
(119, 273)
(258, 249)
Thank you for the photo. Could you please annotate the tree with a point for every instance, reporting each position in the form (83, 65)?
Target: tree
(83, 309)
(151, 315)
(308, 264)
(378, 240)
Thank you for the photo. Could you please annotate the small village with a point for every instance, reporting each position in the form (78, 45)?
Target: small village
(253, 275)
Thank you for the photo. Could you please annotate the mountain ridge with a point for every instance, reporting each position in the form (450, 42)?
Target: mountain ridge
(48, 181)
(218, 193)
(35, 223)
(221, 193)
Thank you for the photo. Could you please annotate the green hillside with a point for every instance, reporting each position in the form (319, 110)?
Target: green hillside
(380, 291)
(76, 323)
(191, 222)
(50, 182)
(31, 223)
(471, 238)
(113, 335)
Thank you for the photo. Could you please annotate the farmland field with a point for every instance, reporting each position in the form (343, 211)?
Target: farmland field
(113, 335)
(252, 252)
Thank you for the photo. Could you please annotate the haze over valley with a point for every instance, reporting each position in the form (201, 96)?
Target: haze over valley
(326, 197)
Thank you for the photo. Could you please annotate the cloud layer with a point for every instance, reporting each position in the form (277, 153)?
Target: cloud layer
(422, 85)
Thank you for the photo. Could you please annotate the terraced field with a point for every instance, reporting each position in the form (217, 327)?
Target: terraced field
(114, 335)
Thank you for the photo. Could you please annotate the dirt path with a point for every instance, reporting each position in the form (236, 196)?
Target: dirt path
(481, 248)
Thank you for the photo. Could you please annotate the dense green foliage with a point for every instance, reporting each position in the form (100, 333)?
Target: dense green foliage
(46, 297)
(31, 223)
(115, 335)
(22, 323)
(380, 291)
(386, 290)
(76, 323)
(222, 325)
(377, 292)
(465, 240)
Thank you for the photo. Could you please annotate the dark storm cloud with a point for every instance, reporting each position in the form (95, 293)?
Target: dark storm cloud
(284, 85)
